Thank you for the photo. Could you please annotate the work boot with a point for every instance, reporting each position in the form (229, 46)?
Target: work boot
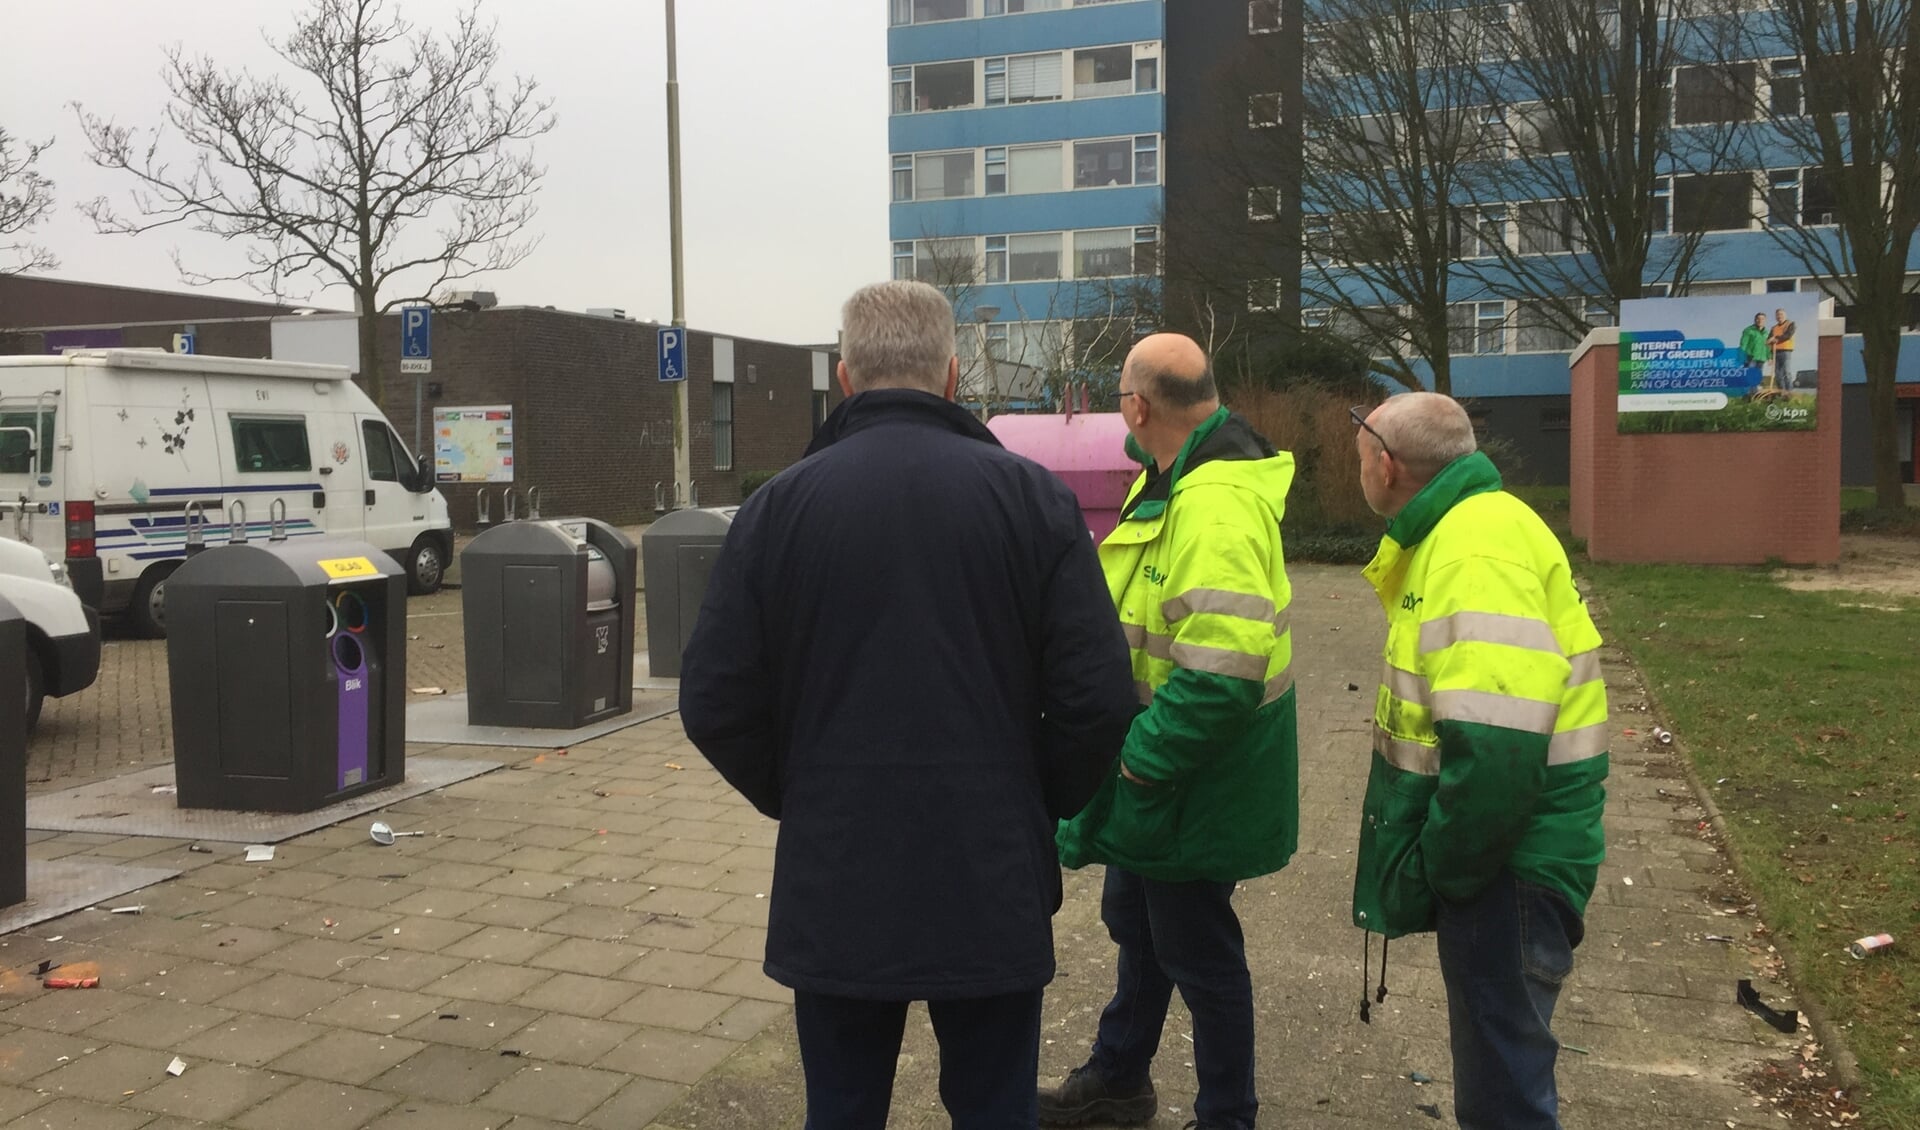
(1089, 1096)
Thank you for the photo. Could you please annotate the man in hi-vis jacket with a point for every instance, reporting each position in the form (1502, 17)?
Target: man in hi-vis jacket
(1482, 813)
(1207, 789)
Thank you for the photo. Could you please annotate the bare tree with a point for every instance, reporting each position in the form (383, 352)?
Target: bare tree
(25, 199)
(399, 165)
(1841, 109)
(1585, 92)
(1396, 135)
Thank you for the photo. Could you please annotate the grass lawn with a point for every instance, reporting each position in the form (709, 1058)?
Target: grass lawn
(1805, 704)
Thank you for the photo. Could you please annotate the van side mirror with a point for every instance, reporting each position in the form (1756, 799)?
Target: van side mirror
(423, 475)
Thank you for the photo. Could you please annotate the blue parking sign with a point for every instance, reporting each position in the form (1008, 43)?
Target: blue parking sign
(416, 339)
(673, 353)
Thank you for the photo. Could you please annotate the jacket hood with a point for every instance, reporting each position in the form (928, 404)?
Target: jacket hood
(897, 405)
(1221, 439)
(1463, 478)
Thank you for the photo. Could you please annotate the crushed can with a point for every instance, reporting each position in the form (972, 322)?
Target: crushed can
(1871, 944)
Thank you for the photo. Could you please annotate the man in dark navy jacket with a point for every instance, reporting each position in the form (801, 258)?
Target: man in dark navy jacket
(907, 656)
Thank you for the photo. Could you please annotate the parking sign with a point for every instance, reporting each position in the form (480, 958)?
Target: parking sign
(673, 353)
(416, 339)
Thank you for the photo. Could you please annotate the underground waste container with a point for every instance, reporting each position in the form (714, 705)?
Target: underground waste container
(13, 755)
(287, 666)
(678, 551)
(549, 609)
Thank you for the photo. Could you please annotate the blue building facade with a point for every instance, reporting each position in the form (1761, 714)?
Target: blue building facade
(1507, 358)
(1027, 159)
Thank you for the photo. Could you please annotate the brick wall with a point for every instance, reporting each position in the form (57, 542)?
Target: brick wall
(1715, 499)
(593, 425)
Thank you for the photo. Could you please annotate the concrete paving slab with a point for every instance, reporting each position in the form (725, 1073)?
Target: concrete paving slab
(442, 720)
(62, 886)
(128, 806)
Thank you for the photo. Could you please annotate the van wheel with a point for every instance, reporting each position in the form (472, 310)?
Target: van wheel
(426, 566)
(36, 690)
(149, 608)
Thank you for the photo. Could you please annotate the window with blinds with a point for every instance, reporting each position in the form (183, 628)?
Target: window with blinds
(941, 175)
(1035, 169)
(1035, 257)
(1102, 254)
(1015, 79)
(722, 427)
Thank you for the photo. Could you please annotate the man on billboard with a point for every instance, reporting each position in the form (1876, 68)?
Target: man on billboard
(1780, 337)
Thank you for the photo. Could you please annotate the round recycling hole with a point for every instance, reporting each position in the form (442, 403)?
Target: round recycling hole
(347, 654)
(352, 612)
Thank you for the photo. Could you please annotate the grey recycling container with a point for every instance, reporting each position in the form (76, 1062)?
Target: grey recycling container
(678, 552)
(287, 666)
(13, 755)
(549, 613)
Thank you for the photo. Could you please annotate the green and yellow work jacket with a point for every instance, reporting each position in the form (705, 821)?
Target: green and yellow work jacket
(1195, 570)
(1490, 724)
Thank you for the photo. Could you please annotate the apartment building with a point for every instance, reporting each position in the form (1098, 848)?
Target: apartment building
(1028, 170)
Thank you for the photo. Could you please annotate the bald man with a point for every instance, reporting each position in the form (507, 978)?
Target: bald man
(1486, 785)
(1206, 791)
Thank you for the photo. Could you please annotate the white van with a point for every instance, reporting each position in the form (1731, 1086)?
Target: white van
(103, 453)
(63, 636)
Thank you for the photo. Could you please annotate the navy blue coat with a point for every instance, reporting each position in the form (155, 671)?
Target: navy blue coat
(908, 657)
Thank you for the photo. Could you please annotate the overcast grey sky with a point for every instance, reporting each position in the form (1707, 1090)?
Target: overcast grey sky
(784, 144)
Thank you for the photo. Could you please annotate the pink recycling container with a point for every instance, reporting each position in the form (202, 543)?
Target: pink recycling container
(1086, 450)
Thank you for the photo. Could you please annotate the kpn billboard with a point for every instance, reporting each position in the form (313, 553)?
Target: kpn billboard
(1745, 363)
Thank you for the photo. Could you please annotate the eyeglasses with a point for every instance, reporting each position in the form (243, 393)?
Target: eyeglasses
(1124, 395)
(1360, 421)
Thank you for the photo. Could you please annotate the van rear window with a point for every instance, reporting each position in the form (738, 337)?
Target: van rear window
(262, 446)
(15, 459)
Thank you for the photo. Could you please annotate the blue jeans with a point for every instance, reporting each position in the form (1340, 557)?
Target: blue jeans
(989, 1055)
(1185, 935)
(1503, 955)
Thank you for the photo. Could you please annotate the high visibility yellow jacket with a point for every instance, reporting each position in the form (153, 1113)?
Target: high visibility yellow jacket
(1196, 572)
(1490, 724)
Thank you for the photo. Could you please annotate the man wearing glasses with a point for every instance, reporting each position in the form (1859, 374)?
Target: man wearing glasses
(1482, 814)
(1206, 792)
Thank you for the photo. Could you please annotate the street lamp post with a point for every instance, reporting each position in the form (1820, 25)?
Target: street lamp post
(682, 451)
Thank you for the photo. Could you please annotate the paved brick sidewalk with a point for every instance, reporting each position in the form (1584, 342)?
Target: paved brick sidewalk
(574, 943)
(1650, 1001)
(598, 912)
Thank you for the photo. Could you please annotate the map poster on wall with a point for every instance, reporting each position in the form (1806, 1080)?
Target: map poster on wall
(1741, 363)
(473, 445)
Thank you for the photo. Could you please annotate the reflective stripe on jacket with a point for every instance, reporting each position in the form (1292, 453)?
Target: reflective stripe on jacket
(1195, 569)
(1490, 724)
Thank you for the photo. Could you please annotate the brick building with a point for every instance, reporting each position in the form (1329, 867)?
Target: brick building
(593, 425)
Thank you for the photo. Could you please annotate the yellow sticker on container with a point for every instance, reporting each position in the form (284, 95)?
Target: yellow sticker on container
(341, 568)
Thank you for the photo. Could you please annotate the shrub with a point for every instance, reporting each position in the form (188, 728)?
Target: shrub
(752, 481)
(1310, 420)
